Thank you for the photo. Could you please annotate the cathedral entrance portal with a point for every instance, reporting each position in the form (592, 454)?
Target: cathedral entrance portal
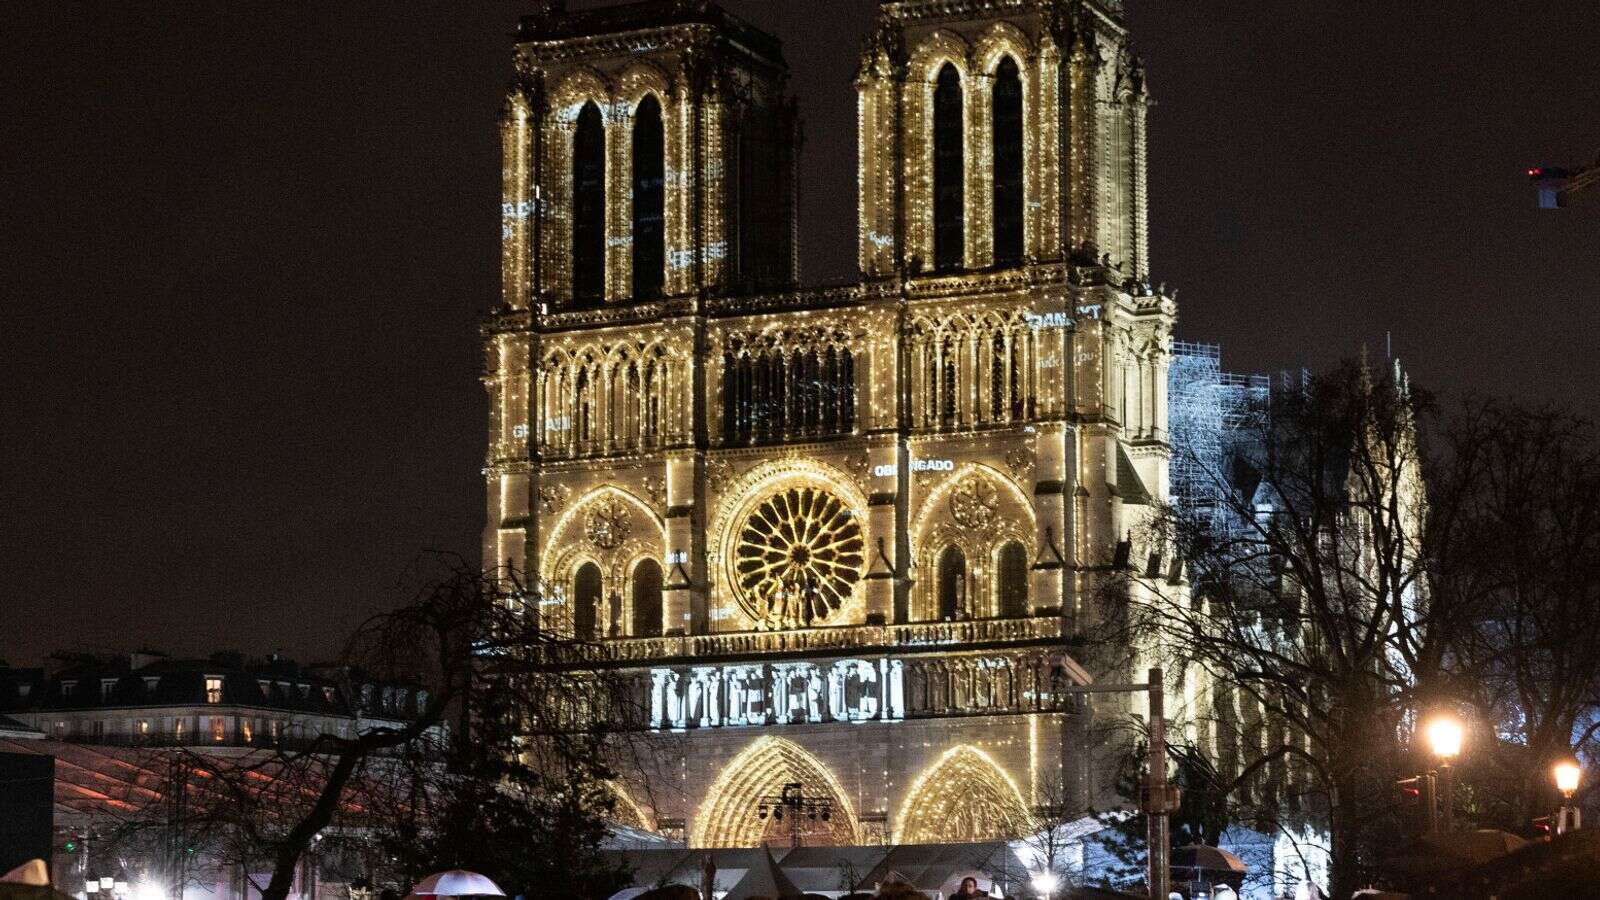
(744, 806)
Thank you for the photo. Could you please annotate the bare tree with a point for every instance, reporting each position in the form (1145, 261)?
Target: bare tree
(1309, 607)
(1525, 560)
(503, 712)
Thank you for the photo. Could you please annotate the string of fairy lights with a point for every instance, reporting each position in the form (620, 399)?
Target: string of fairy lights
(998, 367)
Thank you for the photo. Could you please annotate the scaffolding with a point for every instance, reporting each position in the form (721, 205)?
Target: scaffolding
(1208, 412)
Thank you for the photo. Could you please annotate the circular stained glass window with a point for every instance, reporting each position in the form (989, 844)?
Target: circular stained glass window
(798, 558)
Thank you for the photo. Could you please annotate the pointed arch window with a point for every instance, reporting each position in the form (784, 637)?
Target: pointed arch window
(1007, 171)
(649, 200)
(589, 207)
(1012, 581)
(952, 584)
(647, 599)
(949, 192)
(585, 601)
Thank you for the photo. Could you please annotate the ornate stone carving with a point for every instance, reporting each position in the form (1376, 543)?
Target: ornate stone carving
(718, 473)
(607, 525)
(552, 497)
(975, 503)
(1018, 459)
(656, 487)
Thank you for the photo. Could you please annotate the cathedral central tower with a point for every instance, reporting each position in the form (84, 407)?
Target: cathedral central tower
(839, 536)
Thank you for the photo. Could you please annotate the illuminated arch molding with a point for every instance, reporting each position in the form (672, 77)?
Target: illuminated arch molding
(626, 811)
(934, 529)
(727, 815)
(743, 495)
(963, 797)
(553, 546)
(930, 506)
(1001, 40)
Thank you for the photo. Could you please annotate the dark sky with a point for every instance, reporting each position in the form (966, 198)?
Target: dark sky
(249, 244)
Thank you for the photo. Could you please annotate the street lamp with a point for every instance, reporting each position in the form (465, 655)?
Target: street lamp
(1045, 883)
(1444, 734)
(1567, 774)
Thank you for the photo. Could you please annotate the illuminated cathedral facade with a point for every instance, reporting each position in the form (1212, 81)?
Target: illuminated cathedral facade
(839, 537)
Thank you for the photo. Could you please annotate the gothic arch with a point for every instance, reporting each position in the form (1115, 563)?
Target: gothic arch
(930, 506)
(628, 812)
(938, 48)
(553, 547)
(975, 510)
(727, 815)
(999, 40)
(643, 77)
(579, 86)
(963, 797)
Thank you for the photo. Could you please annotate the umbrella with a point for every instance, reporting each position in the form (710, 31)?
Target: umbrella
(457, 883)
(1207, 859)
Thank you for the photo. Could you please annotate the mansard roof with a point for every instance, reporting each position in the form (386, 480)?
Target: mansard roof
(554, 22)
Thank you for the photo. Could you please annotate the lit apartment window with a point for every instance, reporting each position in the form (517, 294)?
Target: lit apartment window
(142, 726)
(213, 690)
(245, 729)
(178, 729)
(219, 729)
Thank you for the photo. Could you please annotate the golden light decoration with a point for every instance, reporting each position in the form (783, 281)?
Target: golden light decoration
(728, 815)
(963, 797)
(798, 558)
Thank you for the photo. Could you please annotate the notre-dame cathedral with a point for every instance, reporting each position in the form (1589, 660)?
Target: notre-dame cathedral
(839, 537)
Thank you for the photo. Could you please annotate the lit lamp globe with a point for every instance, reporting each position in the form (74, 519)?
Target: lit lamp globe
(1045, 883)
(1444, 736)
(1567, 774)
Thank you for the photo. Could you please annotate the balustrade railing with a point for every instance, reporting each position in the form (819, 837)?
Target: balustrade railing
(973, 632)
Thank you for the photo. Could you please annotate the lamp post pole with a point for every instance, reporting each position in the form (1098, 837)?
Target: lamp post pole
(1158, 802)
(1447, 797)
(1159, 798)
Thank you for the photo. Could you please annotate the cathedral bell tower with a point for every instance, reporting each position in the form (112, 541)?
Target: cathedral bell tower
(648, 162)
(997, 132)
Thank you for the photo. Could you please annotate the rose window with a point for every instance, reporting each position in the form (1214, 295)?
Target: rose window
(975, 503)
(607, 525)
(798, 558)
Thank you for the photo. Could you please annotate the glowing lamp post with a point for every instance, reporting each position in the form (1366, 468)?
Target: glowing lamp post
(1045, 884)
(1571, 818)
(1444, 736)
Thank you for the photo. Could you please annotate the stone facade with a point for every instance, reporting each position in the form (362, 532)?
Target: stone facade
(778, 507)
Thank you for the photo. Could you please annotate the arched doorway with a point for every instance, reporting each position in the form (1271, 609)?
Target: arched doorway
(647, 599)
(585, 601)
(964, 797)
(730, 814)
(952, 583)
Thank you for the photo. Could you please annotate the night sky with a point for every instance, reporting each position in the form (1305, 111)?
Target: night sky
(248, 246)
